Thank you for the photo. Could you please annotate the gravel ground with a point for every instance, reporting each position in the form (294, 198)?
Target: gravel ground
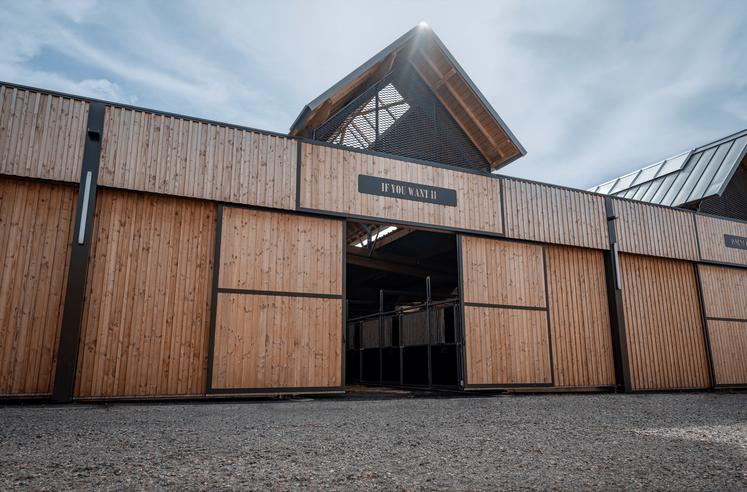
(654, 441)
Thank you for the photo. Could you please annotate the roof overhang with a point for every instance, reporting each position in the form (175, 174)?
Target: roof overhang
(424, 51)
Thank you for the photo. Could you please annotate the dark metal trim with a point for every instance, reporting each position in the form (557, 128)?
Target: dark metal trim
(723, 264)
(92, 101)
(298, 174)
(505, 306)
(462, 350)
(704, 324)
(502, 198)
(697, 237)
(735, 320)
(547, 316)
(226, 290)
(405, 223)
(507, 386)
(615, 302)
(344, 273)
(276, 391)
(214, 296)
(730, 386)
(80, 251)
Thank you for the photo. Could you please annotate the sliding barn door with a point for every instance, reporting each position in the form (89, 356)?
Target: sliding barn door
(725, 303)
(665, 339)
(278, 303)
(506, 336)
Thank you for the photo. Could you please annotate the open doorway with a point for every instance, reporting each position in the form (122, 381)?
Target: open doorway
(403, 321)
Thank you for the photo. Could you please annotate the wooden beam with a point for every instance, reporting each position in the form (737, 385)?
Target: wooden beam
(399, 268)
(444, 79)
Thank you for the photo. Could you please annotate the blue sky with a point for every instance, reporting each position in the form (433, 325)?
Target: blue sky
(592, 89)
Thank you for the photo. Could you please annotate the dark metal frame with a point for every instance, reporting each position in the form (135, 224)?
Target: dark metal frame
(704, 324)
(427, 306)
(80, 250)
(615, 302)
(216, 289)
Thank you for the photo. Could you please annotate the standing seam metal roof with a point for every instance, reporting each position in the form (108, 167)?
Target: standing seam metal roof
(684, 178)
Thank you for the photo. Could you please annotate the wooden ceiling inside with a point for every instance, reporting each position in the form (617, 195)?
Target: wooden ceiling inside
(422, 49)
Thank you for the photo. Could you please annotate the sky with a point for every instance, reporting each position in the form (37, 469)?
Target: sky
(592, 89)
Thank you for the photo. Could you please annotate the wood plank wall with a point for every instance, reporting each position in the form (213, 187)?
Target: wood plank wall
(177, 156)
(41, 135)
(279, 319)
(725, 301)
(579, 318)
(655, 231)
(711, 231)
(506, 332)
(724, 291)
(270, 251)
(728, 349)
(277, 342)
(506, 346)
(329, 182)
(549, 214)
(36, 222)
(146, 318)
(505, 273)
(666, 343)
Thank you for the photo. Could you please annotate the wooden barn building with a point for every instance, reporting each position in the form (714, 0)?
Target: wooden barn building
(147, 254)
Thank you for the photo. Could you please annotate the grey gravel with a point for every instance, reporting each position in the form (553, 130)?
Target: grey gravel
(686, 441)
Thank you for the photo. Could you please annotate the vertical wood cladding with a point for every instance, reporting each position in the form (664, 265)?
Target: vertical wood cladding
(41, 135)
(146, 317)
(666, 343)
(329, 182)
(711, 231)
(504, 345)
(277, 342)
(177, 156)
(36, 222)
(278, 332)
(502, 272)
(579, 317)
(728, 349)
(655, 231)
(549, 214)
(724, 291)
(725, 300)
(270, 251)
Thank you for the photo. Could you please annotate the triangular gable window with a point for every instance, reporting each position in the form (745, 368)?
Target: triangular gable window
(363, 126)
(400, 115)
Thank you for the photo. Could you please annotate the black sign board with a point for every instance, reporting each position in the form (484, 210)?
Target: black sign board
(392, 188)
(735, 242)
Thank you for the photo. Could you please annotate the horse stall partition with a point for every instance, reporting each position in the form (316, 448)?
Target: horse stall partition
(278, 309)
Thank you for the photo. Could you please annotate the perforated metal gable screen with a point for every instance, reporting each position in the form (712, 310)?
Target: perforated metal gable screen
(400, 115)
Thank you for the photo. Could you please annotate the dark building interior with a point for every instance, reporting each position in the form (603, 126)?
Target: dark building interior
(403, 307)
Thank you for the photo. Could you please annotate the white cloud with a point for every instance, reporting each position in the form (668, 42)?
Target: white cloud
(592, 89)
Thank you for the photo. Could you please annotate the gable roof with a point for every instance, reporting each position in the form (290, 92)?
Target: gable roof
(424, 51)
(684, 178)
